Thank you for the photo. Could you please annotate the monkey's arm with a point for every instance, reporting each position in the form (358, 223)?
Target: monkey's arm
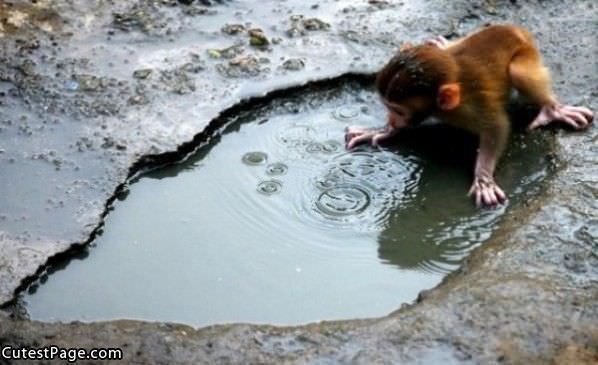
(492, 142)
(356, 135)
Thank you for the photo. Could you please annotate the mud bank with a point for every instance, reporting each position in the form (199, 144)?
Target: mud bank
(72, 121)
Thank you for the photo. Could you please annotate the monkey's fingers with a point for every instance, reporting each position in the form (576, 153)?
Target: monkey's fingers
(575, 116)
(379, 137)
(497, 195)
(575, 120)
(438, 41)
(583, 110)
(491, 196)
(356, 129)
(349, 135)
(578, 117)
(487, 193)
(359, 139)
(476, 191)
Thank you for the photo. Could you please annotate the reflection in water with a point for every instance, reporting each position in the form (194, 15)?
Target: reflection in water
(276, 213)
(439, 226)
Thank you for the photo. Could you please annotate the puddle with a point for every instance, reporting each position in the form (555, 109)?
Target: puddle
(274, 222)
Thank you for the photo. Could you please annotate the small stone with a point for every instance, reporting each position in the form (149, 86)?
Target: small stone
(233, 29)
(27, 67)
(89, 82)
(295, 32)
(232, 51)
(72, 85)
(293, 64)
(142, 73)
(315, 24)
(241, 66)
(138, 100)
(380, 3)
(192, 67)
(490, 9)
(257, 38)
(214, 53)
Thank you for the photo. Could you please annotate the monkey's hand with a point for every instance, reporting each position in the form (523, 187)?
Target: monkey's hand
(357, 135)
(438, 41)
(576, 116)
(486, 192)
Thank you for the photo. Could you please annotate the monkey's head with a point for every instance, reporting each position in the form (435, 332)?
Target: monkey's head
(417, 82)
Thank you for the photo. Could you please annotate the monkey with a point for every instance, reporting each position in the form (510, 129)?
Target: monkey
(466, 83)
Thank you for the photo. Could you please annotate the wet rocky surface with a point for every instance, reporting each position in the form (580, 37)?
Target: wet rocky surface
(89, 93)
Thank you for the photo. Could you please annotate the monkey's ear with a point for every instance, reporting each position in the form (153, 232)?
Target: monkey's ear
(449, 96)
(405, 46)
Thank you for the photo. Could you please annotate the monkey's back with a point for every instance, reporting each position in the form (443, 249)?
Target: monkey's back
(489, 51)
(483, 59)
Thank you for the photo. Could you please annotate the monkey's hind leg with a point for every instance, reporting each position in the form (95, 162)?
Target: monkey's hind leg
(532, 79)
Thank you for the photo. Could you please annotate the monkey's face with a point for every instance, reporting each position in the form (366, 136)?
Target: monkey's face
(409, 84)
(399, 116)
(408, 112)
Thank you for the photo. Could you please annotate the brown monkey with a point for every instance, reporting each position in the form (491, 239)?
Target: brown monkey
(466, 83)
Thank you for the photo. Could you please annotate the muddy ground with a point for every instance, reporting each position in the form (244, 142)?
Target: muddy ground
(92, 92)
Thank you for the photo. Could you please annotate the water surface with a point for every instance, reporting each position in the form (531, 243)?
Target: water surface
(273, 221)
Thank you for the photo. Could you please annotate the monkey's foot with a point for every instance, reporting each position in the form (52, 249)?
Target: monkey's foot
(486, 192)
(356, 135)
(576, 116)
(438, 41)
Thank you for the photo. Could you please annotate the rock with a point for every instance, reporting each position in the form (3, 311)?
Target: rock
(214, 53)
(142, 73)
(228, 52)
(293, 64)
(242, 66)
(257, 38)
(89, 83)
(233, 29)
(295, 31)
(315, 24)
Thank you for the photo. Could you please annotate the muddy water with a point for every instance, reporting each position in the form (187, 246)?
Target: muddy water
(272, 221)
